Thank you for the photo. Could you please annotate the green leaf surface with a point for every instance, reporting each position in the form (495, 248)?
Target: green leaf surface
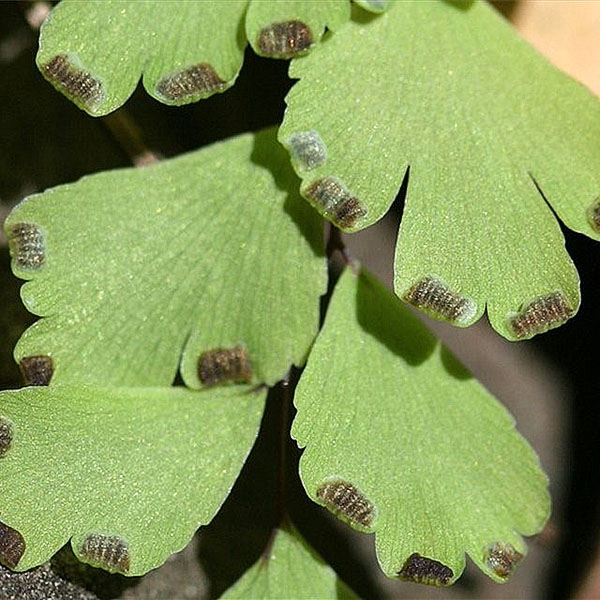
(291, 570)
(138, 470)
(478, 116)
(287, 28)
(401, 441)
(96, 52)
(137, 270)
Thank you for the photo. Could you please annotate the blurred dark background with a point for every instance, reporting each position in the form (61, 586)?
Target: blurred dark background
(546, 383)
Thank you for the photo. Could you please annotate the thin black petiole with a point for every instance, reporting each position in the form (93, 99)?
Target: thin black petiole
(335, 242)
(286, 398)
(287, 386)
(281, 518)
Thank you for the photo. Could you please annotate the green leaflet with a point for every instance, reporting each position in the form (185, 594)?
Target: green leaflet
(138, 270)
(292, 570)
(128, 474)
(478, 115)
(401, 441)
(286, 28)
(95, 52)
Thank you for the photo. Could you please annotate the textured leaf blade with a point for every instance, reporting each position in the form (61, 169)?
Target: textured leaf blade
(208, 60)
(399, 440)
(287, 28)
(473, 216)
(141, 267)
(95, 53)
(292, 570)
(506, 271)
(147, 466)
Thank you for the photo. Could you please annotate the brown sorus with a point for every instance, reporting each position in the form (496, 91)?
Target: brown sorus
(221, 365)
(74, 81)
(12, 546)
(37, 370)
(197, 80)
(109, 551)
(7, 434)
(594, 215)
(27, 245)
(336, 202)
(285, 39)
(502, 558)
(541, 314)
(344, 498)
(420, 569)
(435, 297)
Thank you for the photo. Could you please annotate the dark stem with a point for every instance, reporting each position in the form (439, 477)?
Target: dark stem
(287, 386)
(285, 399)
(128, 135)
(335, 242)
(281, 518)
